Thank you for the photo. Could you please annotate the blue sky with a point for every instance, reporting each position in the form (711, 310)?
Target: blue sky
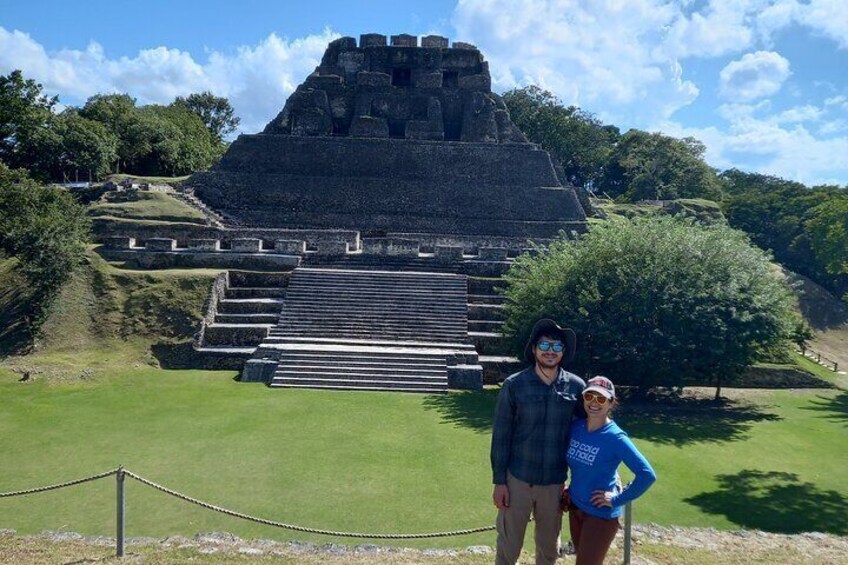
(763, 83)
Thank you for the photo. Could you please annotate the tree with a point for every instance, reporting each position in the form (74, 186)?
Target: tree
(215, 111)
(24, 113)
(578, 141)
(653, 166)
(46, 230)
(118, 113)
(179, 142)
(655, 301)
(86, 145)
(827, 227)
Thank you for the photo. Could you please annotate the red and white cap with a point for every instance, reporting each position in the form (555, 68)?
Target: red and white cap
(601, 385)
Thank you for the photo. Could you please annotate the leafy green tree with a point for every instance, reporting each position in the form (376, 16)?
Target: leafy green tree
(178, 141)
(24, 113)
(653, 166)
(215, 111)
(789, 219)
(827, 227)
(655, 301)
(46, 230)
(119, 114)
(87, 146)
(577, 140)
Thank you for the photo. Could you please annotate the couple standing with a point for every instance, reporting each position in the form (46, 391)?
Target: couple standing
(548, 420)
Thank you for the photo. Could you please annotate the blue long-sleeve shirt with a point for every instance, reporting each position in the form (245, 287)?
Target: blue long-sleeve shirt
(530, 433)
(594, 457)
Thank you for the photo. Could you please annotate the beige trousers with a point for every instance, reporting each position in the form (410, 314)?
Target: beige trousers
(543, 501)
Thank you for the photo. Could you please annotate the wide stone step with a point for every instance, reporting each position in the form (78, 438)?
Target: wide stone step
(379, 307)
(246, 318)
(376, 364)
(490, 343)
(255, 292)
(485, 285)
(235, 334)
(485, 325)
(255, 279)
(349, 373)
(485, 312)
(365, 387)
(368, 334)
(485, 299)
(299, 285)
(250, 306)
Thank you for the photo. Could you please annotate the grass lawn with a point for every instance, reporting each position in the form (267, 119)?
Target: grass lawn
(147, 206)
(377, 462)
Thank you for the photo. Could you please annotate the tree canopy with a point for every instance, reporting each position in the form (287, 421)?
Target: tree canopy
(110, 133)
(215, 111)
(45, 229)
(654, 301)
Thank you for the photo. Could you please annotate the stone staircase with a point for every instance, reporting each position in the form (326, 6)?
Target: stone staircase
(485, 329)
(369, 330)
(241, 313)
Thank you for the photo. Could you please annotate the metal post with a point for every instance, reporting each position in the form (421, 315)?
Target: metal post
(628, 522)
(119, 541)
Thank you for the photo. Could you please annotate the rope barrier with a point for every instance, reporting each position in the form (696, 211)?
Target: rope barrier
(303, 529)
(58, 486)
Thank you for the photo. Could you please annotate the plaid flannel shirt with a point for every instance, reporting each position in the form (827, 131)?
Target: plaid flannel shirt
(532, 422)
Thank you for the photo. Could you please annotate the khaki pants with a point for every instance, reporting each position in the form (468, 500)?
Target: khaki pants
(543, 502)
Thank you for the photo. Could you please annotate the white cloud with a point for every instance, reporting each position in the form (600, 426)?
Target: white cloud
(604, 54)
(755, 75)
(763, 145)
(798, 114)
(827, 17)
(256, 79)
(721, 28)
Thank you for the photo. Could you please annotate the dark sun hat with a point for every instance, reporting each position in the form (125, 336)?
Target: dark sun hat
(548, 327)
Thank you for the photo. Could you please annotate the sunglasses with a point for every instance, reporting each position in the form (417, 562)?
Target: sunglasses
(547, 346)
(594, 396)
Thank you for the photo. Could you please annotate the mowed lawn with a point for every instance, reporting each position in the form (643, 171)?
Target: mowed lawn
(384, 462)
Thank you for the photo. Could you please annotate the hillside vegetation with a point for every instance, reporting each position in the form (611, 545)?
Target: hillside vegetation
(104, 317)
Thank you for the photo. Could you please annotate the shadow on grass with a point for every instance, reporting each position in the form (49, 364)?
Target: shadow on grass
(468, 409)
(834, 409)
(681, 421)
(15, 332)
(775, 502)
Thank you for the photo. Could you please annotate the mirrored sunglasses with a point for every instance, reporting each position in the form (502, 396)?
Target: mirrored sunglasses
(547, 346)
(594, 396)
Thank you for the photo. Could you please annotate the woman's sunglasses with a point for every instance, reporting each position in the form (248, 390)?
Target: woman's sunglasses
(547, 346)
(594, 396)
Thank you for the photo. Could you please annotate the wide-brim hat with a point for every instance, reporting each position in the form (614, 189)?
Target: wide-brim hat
(548, 327)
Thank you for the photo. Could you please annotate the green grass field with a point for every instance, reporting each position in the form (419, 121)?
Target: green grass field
(771, 460)
(146, 206)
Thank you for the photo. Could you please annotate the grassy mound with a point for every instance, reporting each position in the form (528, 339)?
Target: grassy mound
(138, 205)
(104, 318)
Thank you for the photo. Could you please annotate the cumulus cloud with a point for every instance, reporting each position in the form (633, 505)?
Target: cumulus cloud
(754, 76)
(600, 54)
(256, 79)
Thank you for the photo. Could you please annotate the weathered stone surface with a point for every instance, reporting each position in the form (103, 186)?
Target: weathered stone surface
(398, 138)
(246, 245)
(333, 248)
(404, 40)
(290, 246)
(493, 254)
(118, 242)
(160, 244)
(469, 377)
(434, 41)
(204, 244)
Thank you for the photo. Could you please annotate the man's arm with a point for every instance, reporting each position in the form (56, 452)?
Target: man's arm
(502, 434)
(502, 444)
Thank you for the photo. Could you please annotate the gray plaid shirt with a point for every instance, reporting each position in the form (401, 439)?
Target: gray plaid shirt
(532, 421)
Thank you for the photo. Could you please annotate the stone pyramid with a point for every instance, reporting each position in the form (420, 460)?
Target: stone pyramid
(396, 138)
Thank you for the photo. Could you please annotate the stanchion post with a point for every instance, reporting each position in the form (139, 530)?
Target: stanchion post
(628, 522)
(119, 538)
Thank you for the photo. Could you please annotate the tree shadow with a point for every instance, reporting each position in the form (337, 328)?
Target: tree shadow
(468, 409)
(15, 331)
(834, 408)
(775, 502)
(682, 421)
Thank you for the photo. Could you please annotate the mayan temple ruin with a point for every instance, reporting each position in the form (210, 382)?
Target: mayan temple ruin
(397, 138)
(366, 228)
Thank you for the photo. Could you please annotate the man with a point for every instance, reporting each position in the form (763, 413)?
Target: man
(530, 442)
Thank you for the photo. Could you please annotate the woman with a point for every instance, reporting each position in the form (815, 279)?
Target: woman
(596, 449)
